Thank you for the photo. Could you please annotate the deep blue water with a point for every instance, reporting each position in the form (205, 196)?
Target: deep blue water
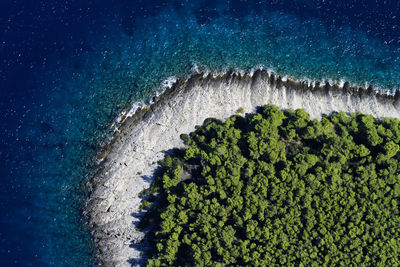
(69, 67)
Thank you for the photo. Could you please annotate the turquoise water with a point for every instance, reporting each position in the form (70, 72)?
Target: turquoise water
(81, 96)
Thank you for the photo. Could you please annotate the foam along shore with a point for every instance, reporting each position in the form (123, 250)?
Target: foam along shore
(130, 159)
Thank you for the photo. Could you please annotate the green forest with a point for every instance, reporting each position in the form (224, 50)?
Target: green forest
(276, 188)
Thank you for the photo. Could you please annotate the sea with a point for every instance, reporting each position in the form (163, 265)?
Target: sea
(68, 69)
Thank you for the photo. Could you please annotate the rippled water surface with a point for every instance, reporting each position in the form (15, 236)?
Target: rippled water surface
(69, 67)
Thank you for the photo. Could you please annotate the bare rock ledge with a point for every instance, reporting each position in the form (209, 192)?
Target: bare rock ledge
(130, 159)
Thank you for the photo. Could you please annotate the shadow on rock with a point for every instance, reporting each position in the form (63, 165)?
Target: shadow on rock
(144, 223)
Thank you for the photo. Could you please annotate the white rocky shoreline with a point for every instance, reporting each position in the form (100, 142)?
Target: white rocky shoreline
(130, 159)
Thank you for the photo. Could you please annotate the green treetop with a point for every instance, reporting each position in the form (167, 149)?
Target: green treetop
(277, 188)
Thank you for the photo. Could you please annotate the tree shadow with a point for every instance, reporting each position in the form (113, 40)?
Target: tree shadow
(143, 245)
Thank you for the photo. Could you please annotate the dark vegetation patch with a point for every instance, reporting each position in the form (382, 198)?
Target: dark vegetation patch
(276, 188)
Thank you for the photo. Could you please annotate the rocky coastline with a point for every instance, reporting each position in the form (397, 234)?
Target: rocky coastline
(128, 162)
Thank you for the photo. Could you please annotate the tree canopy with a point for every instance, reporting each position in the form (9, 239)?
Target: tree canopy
(277, 188)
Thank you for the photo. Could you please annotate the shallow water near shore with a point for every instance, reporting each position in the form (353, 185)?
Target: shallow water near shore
(55, 120)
